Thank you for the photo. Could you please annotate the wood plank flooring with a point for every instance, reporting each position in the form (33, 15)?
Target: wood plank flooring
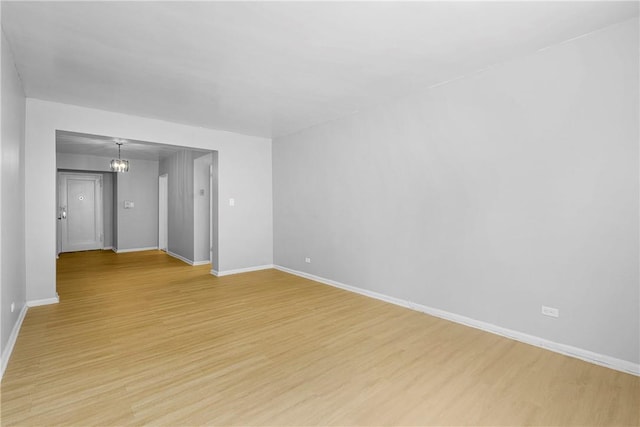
(142, 338)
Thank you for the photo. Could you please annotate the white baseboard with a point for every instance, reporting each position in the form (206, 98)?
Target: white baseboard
(241, 270)
(46, 301)
(180, 257)
(11, 342)
(107, 248)
(567, 350)
(123, 251)
(187, 260)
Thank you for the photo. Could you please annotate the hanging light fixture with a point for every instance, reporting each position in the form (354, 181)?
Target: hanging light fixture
(119, 165)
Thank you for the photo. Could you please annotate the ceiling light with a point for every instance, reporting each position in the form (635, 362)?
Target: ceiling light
(119, 165)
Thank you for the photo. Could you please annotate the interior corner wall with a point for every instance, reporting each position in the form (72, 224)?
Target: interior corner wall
(12, 202)
(486, 197)
(245, 230)
(179, 169)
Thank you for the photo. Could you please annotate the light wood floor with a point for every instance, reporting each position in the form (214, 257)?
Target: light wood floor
(142, 338)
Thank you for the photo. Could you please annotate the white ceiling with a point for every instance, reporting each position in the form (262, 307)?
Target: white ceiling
(104, 146)
(271, 68)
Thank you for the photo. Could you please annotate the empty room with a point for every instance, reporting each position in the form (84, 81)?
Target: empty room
(356, 213)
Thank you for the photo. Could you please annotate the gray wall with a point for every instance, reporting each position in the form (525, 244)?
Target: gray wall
(138, 227)
(107, 208)
(12, 209)
(179, 167)
(485, 197)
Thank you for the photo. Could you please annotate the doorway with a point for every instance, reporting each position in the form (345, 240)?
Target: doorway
(80, 212)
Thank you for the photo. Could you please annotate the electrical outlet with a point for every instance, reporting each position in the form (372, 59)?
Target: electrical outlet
(550, 311)
(307, 260)
(13, 306)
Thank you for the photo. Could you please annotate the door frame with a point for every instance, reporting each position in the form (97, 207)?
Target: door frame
(98, 206)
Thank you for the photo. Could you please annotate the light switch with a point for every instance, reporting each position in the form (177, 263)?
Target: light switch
(232, 202)
(128, 204)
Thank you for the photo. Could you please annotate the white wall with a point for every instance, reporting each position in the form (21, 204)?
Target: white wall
(245, 231)
(486, 197)
(201, 217)
(12, 223)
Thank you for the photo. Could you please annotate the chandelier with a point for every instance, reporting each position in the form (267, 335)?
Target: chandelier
(119, 165)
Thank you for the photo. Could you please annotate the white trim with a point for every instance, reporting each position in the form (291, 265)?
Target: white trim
(107, 248)
(124, 251)
(187, 260)
(567, 350)
(241, 270)
(11, 342)
(46, 301)
(180, 257)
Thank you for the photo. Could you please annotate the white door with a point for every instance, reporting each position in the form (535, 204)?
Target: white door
(80, 212)
(163, 208)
